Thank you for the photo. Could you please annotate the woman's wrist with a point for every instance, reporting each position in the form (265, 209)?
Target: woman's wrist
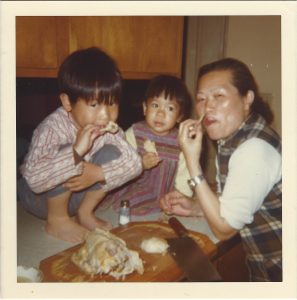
(194, 170)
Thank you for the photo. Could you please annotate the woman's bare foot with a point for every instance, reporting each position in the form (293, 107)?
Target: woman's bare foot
(90, 221)
(66, 229)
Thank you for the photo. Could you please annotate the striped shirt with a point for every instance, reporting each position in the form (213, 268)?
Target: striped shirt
(50, 160)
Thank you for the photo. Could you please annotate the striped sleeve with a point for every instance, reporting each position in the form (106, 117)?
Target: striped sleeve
(48, 164)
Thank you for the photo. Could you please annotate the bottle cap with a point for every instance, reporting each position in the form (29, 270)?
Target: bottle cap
(125, 203)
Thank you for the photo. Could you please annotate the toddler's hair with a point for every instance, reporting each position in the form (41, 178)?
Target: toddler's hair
(90, 74)
(174, 89)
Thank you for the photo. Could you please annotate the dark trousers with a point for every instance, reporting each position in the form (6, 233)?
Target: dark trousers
(36, 204)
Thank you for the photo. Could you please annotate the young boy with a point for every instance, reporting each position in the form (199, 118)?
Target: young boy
(167, 102)
(72, 161)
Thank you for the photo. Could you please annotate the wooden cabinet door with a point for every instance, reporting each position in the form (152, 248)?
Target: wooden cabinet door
(41, 45)
(143, 46)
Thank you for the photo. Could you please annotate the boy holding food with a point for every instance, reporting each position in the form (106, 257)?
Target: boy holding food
(78, 154)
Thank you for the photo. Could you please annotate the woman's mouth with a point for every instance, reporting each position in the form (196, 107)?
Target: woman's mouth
(208, 121)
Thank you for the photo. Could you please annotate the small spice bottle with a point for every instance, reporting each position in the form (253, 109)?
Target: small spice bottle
(124, 217)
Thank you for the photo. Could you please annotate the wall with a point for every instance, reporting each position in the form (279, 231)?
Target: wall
(256, 40)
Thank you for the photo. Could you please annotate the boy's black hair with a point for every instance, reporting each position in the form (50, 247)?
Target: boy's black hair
(90, 74)
(174, 88)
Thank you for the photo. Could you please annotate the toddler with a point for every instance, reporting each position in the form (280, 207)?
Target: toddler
(72, 160)
(167, 102)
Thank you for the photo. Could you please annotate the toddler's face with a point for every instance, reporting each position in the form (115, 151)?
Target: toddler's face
(84, 113)
(161, 114)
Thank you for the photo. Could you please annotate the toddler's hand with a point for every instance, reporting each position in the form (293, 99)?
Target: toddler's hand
(150, 160)
(85, 139)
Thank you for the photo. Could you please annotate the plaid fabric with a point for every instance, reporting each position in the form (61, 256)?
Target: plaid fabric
(145, 191)
(262, 239)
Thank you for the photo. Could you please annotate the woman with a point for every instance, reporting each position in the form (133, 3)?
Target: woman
(249, 198)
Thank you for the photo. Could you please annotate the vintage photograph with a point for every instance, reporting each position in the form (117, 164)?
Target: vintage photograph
(149, 149)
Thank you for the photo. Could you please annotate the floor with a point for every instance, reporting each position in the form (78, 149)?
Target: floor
(34, 244)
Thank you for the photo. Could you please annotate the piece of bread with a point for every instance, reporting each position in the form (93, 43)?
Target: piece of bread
(154, 245)
(149, 146)
(111, 127)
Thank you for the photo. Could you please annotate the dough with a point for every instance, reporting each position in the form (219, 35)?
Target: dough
(149, 146)
(154, 245)
(110, 127)
(105, 253)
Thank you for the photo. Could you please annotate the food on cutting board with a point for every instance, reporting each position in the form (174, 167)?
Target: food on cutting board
(111, 127)
(105, 253)
(154, 245)
(149, 146)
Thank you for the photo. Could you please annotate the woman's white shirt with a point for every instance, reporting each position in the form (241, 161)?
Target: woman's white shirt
(254, 168)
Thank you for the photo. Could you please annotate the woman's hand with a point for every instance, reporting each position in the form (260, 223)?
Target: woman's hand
(178, 204)
(91, 175)
(85, 139)
(150, 160)
(190, 140)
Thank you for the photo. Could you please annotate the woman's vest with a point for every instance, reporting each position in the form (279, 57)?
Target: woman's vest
(262, 238)
(145, 191)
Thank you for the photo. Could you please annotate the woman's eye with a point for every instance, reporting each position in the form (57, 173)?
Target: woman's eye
(94, 104)
(200, 99)
(171, 108)
(154, 105)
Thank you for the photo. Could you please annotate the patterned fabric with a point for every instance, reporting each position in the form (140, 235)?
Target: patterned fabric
(262, 238)
(50, 160)
(144, 192)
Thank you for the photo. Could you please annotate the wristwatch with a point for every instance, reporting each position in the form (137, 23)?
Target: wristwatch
(193, 182)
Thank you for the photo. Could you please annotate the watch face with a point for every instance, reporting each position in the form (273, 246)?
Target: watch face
(191, 183)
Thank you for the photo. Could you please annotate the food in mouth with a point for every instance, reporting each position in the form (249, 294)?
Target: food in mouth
(154, 245)
(111, 127)
(149, 146)
(105, 253)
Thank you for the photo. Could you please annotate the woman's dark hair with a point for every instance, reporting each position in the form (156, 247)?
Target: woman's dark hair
(173, 88)
(243, 80)
(90, 74)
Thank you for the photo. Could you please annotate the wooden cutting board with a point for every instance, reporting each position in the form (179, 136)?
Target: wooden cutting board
(157, 267)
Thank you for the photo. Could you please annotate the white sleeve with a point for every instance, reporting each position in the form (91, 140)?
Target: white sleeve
(182, 176)
(131, 137)
(254, 167)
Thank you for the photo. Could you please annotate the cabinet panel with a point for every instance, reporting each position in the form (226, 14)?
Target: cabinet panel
(36, 42)
(138, 44)
(143, 46)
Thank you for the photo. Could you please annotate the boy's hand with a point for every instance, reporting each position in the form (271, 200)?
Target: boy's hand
(85, 139)
(91, 174)
(150, 160)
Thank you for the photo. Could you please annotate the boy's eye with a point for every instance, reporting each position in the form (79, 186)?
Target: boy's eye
(154, 105)
(171, 108)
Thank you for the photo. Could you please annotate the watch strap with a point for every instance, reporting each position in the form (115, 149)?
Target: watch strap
(196, 180)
